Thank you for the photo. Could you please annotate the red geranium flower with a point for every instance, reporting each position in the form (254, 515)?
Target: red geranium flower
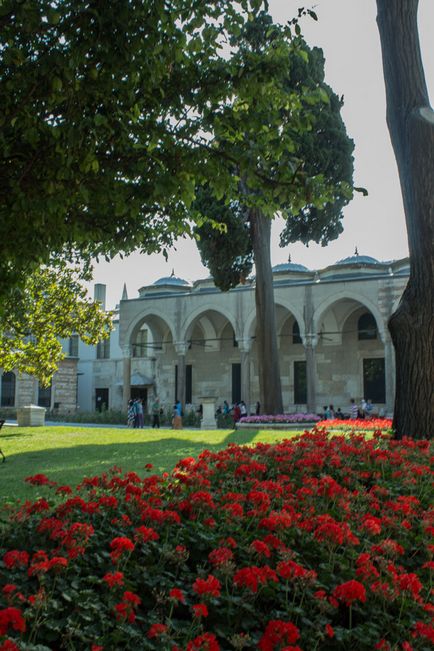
(210, 586)
(11, 617)
(205, 642)
(113, 578)
(14, 557)
(200, 610)
(119, 546)
(278, 633)
(350, 592)
(177, 595)
(156, 630)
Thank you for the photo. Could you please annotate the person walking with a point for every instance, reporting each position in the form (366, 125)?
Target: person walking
(354, 412)
(177, 415)
(156, 413)
(130, 413)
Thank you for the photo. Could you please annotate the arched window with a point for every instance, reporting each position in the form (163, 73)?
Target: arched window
(366, 327)
(8, 389)
(140, 346)
(296, 338)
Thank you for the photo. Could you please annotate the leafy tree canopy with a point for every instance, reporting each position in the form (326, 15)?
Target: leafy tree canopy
(111, 114)
(310, 142)
(52, 305)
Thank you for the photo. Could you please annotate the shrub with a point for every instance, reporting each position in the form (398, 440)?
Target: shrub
(105, 416)
(315, 543)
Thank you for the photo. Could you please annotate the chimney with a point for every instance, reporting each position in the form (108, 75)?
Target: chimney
(99, 294)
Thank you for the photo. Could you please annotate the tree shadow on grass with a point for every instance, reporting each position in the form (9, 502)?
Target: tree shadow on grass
(68, 465)
(15, 435)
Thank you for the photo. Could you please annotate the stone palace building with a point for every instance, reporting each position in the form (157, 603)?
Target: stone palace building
(187, 341)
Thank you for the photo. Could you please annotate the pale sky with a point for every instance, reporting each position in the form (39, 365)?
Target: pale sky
(348, 34)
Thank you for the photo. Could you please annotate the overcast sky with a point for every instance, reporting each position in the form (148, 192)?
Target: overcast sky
(347, 32)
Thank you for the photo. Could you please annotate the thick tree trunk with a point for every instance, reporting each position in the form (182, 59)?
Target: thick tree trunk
(266, 336)
(411, 124)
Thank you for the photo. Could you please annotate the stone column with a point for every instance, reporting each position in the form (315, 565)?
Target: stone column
(126, 392)
(310, 341)
(181, 348)
(245, 346)
(389, 372)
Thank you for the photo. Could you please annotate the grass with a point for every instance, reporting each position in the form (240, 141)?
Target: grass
(67, 454)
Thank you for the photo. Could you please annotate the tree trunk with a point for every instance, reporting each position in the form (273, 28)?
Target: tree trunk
(270, 388)
(411, 124)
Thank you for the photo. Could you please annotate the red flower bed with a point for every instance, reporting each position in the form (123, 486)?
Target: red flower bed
(317, 543)
(362, 424)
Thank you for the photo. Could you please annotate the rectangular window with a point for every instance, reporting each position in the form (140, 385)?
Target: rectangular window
(8, 382)
(374, 380)
(300, 383)
(44, 397)
(73, 346)
(103, 349)
(236, 383)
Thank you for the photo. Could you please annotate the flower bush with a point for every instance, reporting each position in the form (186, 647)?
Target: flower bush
(363, 424)
(281, 418)
(318, 543)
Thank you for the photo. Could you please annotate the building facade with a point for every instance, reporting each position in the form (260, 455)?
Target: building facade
(187, 341)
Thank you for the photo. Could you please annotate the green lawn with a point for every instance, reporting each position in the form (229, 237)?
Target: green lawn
(67, 454)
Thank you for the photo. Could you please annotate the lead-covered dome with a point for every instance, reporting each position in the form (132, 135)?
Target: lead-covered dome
(358, 259)
(289, 266)
(171, 280)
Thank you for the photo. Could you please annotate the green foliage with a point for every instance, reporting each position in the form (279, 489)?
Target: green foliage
(52, 305)
(325, 149)
(111, 114)
(297, 139)
(224, 241)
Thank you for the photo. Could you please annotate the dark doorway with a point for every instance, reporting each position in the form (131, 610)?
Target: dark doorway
(188, 383)
(142, 393)
(300, 383)
(236, 383)
(374, 382)
(101, 399)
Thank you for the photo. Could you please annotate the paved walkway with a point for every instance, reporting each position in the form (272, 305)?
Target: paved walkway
(49, 423)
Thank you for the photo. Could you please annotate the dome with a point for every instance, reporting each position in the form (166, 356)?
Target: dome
(171, 280)
(289, 266)
(358, 259)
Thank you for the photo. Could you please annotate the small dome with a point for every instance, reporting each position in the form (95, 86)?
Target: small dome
(171, 280)
(358, 259)
(289, 266)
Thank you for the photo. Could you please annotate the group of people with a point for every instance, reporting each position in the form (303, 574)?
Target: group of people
(237, 410)
(135, 414)
(364, 410)
(329, 413)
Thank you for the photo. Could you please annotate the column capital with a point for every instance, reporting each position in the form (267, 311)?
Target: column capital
(181, 347)
(384, 336)
(309, 339)
(244, 344)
